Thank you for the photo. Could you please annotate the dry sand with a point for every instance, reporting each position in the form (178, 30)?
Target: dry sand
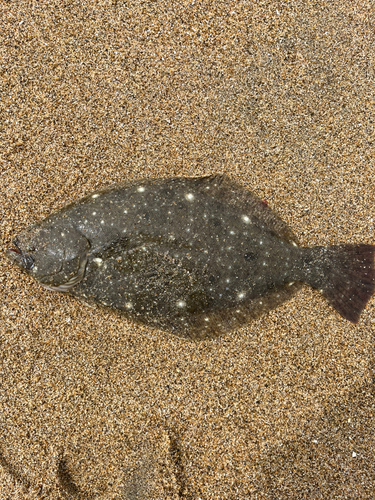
(279, 95)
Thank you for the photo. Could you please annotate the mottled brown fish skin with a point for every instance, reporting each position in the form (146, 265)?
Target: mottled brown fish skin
(195, 256)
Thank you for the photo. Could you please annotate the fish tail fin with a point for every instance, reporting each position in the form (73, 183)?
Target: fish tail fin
(345, 274)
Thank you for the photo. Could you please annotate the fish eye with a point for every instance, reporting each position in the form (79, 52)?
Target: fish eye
(28, 262)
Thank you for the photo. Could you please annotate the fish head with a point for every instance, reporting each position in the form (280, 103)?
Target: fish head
(53, 255)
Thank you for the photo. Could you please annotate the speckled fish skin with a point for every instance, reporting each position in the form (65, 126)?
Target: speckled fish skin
(195, 256)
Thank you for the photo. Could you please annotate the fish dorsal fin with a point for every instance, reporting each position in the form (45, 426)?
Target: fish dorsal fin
(225, 190)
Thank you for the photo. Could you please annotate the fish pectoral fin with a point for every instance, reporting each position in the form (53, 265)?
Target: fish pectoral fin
(116, 246)
(122, 246)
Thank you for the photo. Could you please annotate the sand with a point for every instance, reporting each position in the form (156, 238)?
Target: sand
(278, 95)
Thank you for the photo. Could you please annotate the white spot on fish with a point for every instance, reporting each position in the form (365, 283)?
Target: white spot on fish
(141, 189)
(246, 219)
(129, 305)
(189, 196)
(95, 196)
(98, 261)
(181, 303)
(241, 295)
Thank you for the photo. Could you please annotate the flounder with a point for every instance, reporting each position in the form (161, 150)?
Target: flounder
(194, 256)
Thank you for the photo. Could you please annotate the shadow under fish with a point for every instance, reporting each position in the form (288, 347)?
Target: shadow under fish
(194, 256)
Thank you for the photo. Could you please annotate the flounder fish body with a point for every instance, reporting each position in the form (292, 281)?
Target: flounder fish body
(195, 256)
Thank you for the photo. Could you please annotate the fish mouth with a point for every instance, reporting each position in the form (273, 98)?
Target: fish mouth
(15, 254)
(16, 250)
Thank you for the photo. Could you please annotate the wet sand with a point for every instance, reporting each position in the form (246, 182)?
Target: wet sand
(281, 98)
